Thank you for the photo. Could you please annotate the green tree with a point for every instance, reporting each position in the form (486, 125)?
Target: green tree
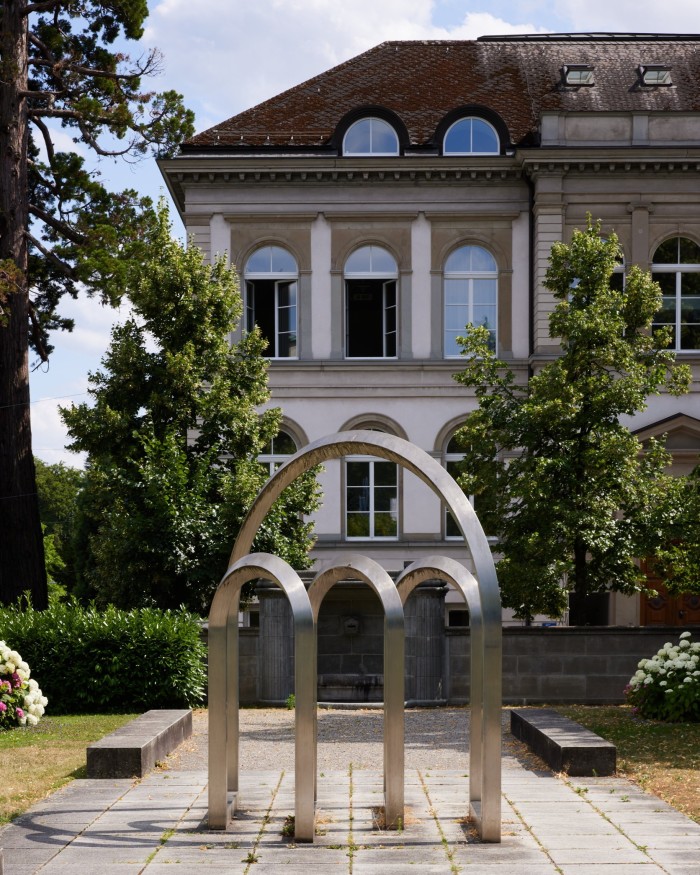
(58, 487)
(60, 228)
(173, 439)
(569, 494)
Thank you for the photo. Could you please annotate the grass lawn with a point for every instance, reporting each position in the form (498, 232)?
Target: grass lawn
(663, 758)
(36, 760)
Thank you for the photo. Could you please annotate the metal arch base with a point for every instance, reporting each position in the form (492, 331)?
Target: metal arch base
(481, 592)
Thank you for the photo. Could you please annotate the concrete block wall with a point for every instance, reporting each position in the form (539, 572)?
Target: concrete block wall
(562, 664)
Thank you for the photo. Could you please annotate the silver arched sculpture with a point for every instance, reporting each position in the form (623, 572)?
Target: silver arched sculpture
(357, 567)
(485, 603)
(485, 695)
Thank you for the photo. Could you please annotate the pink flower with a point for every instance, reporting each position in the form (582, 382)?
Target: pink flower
(20, 713)
(3, 707)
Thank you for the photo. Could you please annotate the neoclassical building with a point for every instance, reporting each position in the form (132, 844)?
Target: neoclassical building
(376, 209)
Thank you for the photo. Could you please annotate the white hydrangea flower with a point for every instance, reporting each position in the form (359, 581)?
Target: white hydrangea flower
(685, 635)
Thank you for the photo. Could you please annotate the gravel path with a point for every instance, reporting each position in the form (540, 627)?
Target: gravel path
(436, 738)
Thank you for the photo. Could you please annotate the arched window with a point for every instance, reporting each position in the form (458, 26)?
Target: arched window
(471, 136)
(371, 497)
(271, 281)
(471, 295)
(277, 451)
(370, 136)
(371, 275)
(676, 268)
(452, 457)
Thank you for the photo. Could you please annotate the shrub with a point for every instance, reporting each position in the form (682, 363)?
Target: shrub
(667, 686)
(21, 700)
(110, 660)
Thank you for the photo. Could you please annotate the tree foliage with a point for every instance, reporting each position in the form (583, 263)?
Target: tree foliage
(570, 497)
(61, 230)
(173, 438)
(58, 487)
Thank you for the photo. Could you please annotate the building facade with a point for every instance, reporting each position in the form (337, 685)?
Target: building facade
(376, 209)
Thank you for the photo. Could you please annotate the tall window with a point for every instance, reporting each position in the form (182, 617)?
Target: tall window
(371, 499)
(471, 292)
(370, 136)
(676, 268)
(471, 136)
(370, 304)
(271, 281)
(277, 451)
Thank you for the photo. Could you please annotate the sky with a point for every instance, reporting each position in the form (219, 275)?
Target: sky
(225, 57)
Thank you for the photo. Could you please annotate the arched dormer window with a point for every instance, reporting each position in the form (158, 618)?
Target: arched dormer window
(471, 295)
(471, 136)
(271, 280)
(371, 275)
(371, 136)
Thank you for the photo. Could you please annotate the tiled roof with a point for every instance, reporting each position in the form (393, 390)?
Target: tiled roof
(517, 77)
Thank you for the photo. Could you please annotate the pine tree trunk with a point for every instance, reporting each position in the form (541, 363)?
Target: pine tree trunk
(21, 542)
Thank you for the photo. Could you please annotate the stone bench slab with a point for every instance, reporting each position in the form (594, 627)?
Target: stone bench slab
(564, 745)
(133, 750)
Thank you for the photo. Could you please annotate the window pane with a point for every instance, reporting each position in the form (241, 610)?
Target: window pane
(382, 261)
(458, 137)
(484, 137)
(384, 137)
(385, 525)
(456, 318)
(690, 284)
(287, 294)
(690, 251)
(283, 444)
(385, 473)
(282, 261)
(360, 261)
(385, 499)
(667, 281)
(358, 473)
(358, 525)
(452, 348)
(287, 345)
(456, 291)
(690, 310)
(484, 291)
(484, 315)
(358, 498)
(357, 139)
(460, 261)
(667, 252)
(690, 336)
(451, 527)
(482, 260)
(454, 446)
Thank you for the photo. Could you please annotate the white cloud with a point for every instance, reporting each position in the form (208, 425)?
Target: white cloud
(637, 16)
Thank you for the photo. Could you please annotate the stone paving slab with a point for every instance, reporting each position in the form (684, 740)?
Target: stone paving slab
(158, 826)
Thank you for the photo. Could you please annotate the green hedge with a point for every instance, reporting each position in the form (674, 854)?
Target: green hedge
(87, 660)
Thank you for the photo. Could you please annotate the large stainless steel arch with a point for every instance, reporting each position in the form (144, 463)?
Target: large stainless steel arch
(223, 689)
(485, 731)
(353, 566)
(486, 598)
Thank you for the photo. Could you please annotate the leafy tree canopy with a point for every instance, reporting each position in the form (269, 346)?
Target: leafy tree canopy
(61, 229)
(173, 438)
(566, 490)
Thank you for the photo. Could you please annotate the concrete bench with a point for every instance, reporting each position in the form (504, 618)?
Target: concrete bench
(133, 750)
(564, 745)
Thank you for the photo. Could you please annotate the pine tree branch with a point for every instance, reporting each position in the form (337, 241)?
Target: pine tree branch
(61, 227)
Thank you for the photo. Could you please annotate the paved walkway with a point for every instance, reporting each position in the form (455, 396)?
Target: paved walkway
(585, 826)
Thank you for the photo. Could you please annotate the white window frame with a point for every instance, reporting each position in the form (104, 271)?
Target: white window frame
(370, 152)
(469, 277)
(371, 461)
(280, 280)
(274, 459)
(390, 283)
(471, 119)
(679, 268)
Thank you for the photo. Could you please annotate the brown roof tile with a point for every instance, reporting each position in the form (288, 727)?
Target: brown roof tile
(421, 82)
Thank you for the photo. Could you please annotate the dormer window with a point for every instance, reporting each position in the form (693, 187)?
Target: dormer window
(578, 74)
(371, 136)
(655, 74)
(471, 136)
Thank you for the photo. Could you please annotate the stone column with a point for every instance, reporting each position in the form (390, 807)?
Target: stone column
(276, 645)
(425, 642)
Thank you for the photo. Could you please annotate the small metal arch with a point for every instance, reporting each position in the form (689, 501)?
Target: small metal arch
(223, 688)
(485, 698)
(354, 566)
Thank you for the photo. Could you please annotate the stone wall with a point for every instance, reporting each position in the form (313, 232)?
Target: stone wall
(540, 665)
(583, 665)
